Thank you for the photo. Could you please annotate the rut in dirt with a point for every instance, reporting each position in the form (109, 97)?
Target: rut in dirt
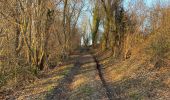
(109, 92)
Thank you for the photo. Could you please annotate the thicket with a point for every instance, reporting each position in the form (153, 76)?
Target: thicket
(35, 35)
(127, 29)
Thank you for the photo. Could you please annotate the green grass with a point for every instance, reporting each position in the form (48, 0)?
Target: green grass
(135, 95)
(87, 90)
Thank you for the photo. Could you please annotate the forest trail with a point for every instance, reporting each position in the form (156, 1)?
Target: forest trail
(81, 81)
(86, 77)
(84, 50)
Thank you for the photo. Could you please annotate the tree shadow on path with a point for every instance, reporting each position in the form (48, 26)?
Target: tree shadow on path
(60, 92)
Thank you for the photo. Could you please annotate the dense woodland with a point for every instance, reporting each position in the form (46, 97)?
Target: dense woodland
(37, 35)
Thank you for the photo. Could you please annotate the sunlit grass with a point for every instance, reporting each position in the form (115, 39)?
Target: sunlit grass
(79, 81)
(46, 84)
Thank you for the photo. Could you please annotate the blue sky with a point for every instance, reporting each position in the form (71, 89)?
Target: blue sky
(152, 2)
(149, 3)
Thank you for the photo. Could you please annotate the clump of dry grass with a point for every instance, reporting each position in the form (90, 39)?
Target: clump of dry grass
(160, 45)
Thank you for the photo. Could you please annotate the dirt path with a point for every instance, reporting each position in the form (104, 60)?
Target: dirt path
(60, 92)
(82, 81)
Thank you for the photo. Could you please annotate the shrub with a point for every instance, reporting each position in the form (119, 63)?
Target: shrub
(160, 45)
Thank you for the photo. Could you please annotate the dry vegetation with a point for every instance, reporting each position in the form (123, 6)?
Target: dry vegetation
(144, 74)
(36, 35)
(131, 43)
